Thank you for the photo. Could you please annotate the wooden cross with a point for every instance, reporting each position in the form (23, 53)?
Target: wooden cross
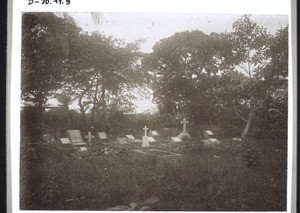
(89, 137)
(184, 122)
(145, 129)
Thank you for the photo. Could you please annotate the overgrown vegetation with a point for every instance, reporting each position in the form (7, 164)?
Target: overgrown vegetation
(234, 84)
(232, 176)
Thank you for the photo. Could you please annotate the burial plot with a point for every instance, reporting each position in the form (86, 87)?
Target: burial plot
(102, 136)
(176, 139)
(65, 141)
(184, 135)
(130, 138)
(209, 141)
(89, 137)
(208, 134)
(75, 138)
(151, 139)
(145, 142)
(153, 133)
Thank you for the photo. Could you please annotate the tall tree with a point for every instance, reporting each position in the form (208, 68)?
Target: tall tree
(103, 66)
(263, 60)
(184, 67)
(45, 46)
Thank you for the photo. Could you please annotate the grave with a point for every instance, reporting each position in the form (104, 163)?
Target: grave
(82, 148)
(102, 136)
(151, 139)
(65, 141)
(130, 138)
(153, 133)
(208, 134)
(89, 137)
(75, 138)
(184, 135)
(209, 141)
(176, 139)
(145, 141)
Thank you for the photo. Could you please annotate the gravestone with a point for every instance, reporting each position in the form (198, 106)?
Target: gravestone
(102, 136)
(184, 135)
(89, 136)
(151, 139)
(65, 141)
(130, 137)
(208, 134)
(153, 133)
(176, 139)
(75, 138)
(211, 142)
(82, 148)
(145, 141)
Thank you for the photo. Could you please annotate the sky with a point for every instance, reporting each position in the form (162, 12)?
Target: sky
(152, 27)
(155, 26)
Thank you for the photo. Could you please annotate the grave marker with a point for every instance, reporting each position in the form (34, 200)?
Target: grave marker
(184, 134)
(208, 134)
(176, 139)
(102, 136)
(145, 141)
(82, 148)
(89, 136)
(154, 133)
(130, 137)
(151, 139)
(65, 141)
(75, 137)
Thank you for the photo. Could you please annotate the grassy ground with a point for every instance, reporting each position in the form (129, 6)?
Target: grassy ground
(228, 177)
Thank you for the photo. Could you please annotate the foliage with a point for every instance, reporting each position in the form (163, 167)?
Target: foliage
(45, 47)
(217, 179)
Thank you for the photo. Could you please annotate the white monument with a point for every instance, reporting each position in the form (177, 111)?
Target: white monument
(184, 134)
(145, 141)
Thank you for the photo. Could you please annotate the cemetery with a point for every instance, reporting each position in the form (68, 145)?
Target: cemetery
(212, 145)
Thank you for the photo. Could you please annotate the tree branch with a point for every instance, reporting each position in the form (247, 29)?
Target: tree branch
(240, 116)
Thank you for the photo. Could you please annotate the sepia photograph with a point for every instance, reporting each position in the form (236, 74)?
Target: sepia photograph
(153, 111)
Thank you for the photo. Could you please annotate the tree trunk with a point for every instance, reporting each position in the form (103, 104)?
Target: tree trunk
(40, 99)
(103, 121)
(247, 127)
(82, 110)
(94, 104)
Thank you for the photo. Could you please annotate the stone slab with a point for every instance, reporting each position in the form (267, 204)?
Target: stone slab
(82, 148)
(102, 136)
(65, 141)
(153, 133)
(151, 139)
(208, 134)
(74, 136)
(176, 139)
(130, 137)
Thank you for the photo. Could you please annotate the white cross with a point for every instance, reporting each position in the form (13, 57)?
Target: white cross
(89, 137)
(145, 129)
(184, 122)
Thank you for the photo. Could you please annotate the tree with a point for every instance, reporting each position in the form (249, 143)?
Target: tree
(101, 68)
(45, 46)
(263, 60)
(185, 68)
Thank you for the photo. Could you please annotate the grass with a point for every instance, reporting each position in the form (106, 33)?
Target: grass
(201, 179)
